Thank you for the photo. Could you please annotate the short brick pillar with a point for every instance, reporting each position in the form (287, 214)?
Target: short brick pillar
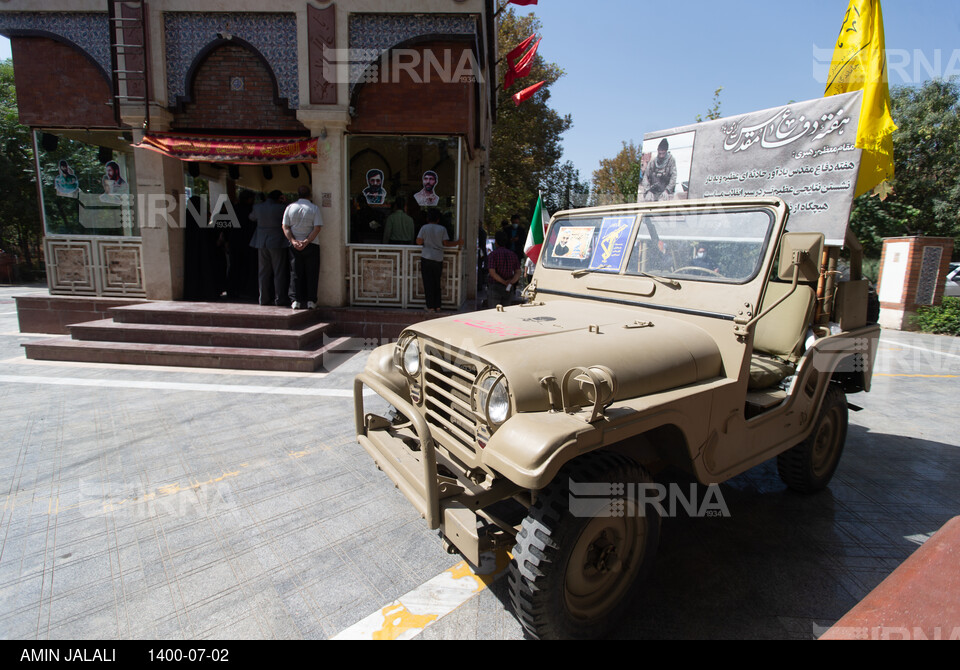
(912, 275)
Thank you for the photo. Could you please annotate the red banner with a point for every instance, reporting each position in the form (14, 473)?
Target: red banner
(243, 150)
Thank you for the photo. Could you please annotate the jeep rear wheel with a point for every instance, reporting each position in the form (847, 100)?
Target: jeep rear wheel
(810, 465)
(578, 560)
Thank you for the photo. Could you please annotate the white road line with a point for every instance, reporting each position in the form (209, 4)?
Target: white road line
(176, 386)
(22, 360)
(406, 618)
(911, 346)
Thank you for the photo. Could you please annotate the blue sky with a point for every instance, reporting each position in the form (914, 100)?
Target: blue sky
(638, 66)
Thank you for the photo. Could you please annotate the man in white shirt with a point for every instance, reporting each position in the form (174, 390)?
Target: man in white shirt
(301, 225)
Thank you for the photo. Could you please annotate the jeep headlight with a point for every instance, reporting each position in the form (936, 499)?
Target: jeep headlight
(409, 354)
(493, 398)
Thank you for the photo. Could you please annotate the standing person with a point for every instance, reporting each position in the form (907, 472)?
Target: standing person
(504, 269)
(274, 270)
(433, 237)
(238, 237)
(399, 226)
(518, 237)
(481, 257)
(660, 177)
(301, 225)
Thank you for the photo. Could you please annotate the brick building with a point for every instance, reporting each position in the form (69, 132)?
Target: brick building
(137, 106)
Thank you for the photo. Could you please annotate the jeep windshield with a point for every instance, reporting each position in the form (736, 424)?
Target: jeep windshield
(725, 246)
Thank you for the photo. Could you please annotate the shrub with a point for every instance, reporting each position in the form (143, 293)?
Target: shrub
(944, 319)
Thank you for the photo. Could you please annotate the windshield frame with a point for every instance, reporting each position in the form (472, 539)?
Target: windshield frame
(586, 259)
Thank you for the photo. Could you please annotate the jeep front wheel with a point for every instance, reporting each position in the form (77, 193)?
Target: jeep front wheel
(810, 465)
(582, 551)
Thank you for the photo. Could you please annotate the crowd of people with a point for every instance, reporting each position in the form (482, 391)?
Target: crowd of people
(268, 250)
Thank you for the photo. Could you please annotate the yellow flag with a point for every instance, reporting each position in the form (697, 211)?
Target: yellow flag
(860, 62)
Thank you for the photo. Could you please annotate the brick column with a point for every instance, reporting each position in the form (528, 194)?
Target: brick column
(912, 273)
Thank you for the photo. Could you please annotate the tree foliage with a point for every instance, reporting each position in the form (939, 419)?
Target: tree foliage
(20, 229)
(564, 190)
(618, 178)
(526, 147)
(926, 187)
(714, 112)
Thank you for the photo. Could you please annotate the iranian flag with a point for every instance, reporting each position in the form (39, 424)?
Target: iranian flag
(537, 231)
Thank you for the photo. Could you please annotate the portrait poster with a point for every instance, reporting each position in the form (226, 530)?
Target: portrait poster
(574, 242)
(804, 153)
(612, 243)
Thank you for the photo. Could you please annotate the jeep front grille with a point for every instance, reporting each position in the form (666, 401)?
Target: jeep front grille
(448, 380)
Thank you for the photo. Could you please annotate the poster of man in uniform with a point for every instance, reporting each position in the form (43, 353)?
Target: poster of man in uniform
(803, 153)
(665, 166)
(427, 196)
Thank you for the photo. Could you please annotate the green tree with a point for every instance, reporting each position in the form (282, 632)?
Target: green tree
(20, 230)
(714, 112)
(526, 147)
(925, 199)
(618, 178)
(564, 190)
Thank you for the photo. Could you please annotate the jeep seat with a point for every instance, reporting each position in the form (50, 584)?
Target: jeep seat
(779, 335)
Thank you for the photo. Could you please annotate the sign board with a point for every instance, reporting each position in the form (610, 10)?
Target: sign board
(803, 153)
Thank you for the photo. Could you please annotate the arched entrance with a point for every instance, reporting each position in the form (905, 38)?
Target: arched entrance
(235, 119)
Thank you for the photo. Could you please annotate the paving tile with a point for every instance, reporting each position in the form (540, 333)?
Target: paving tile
(170, 514)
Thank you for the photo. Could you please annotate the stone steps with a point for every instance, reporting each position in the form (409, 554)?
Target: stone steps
(109, 330)
(211, 335)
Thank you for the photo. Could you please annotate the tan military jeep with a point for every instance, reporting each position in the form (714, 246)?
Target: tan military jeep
(695, 334)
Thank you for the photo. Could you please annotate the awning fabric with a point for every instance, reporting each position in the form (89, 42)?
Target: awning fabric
(243, 150)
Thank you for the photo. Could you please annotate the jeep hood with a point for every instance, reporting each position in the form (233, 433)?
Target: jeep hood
(528, 343)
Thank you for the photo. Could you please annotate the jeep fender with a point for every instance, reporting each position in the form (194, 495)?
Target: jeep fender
(380, 366)
(529, 449)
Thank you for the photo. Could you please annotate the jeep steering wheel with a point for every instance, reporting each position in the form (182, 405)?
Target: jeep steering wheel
(706, 271)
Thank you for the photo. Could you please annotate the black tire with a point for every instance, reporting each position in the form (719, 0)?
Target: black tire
(612, 541)
(809, 466)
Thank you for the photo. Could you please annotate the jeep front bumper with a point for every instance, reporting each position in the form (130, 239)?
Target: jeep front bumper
(407, 453)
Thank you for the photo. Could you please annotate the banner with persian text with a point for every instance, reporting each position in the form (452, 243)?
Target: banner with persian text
(241, 150)
(803, 153)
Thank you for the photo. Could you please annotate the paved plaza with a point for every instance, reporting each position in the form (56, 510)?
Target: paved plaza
(187, 504)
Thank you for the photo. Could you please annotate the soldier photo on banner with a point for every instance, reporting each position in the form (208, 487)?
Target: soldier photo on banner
(804, 153)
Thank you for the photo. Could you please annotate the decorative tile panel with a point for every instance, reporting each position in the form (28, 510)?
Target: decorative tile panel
(106, 266)
(121, 268)
(89, 31)
(929, 275)
(273, 35)
(449, 280)
(321, 35)
(388, 277)
(376, 277)
(70, 266)
(373, 34)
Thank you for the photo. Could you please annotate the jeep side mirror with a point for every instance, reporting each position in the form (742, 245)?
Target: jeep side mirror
(799, 261)
(800, 252)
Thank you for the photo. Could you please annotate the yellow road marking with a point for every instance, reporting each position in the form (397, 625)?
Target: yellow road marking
(891, 374)
(406, 617)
